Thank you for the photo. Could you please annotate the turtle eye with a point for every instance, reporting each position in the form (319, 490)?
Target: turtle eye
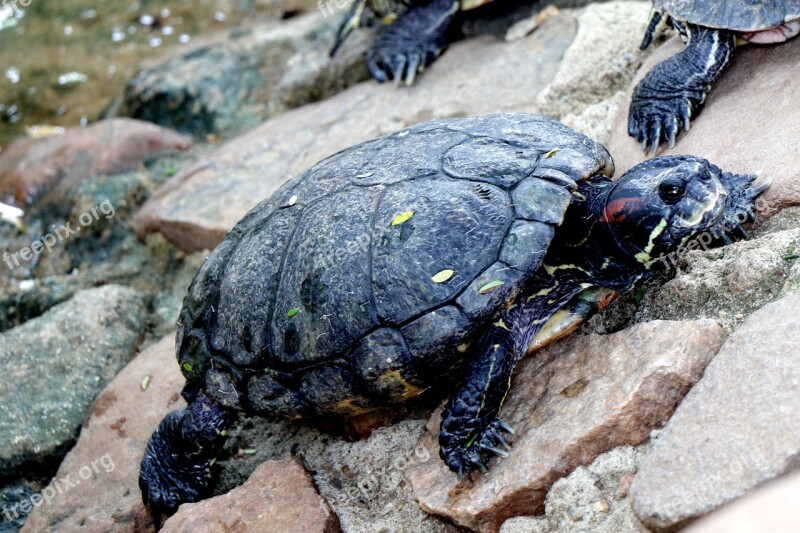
(671, 191)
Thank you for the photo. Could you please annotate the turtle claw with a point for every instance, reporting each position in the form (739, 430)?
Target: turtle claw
(469, 453)
(505, 427)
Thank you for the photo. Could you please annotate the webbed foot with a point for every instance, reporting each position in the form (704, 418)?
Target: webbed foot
(463, 453)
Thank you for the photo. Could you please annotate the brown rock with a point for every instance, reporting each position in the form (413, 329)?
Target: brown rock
(736, 429)
(31, 167)
(750, 122)
(597, 392)
(110, 446)
(772, 509)
(197, 207)
(278, 497)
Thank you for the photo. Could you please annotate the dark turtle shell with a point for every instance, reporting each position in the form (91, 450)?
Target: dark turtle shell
(740, 15)
(361, 281)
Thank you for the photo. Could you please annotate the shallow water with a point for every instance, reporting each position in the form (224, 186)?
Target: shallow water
(62, 63)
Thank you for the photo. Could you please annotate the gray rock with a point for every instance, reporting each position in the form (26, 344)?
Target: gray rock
(592, 498)
(727, 283)
(232, 85)
(596, 120)
(55, 365)
(735, 430)
(602, 59)
(568, 404)
(197, 207)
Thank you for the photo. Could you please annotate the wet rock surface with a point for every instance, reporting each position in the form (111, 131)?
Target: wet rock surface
(30, 168)
(254, 73)
(734, 431)
(197, 207)
(746, 117)
(55, 365)
(278, 496)
(597, 392)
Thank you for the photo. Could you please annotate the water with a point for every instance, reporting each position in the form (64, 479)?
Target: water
(62, 63)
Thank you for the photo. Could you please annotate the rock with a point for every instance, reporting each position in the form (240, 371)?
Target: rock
(113, 438)
(601, 60)
(597, 392)
(31, 167)
(197, 207)
(589, 499)
(54, 366)
(279, 496)
(254, 73)
(758, 89)
(772, 508)
(726, 283)
(736, 429)
(596, 120)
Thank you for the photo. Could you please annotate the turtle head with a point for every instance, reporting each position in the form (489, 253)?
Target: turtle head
(663, 204)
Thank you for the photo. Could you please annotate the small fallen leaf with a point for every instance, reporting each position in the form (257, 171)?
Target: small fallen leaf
(293, 311)
(552, 152)
(250, 451)
(365, 175)
(187, 367)
(402, 217)
(292, 200)
(442, 276)
(145, 382)
(489, 287)
(790, 257)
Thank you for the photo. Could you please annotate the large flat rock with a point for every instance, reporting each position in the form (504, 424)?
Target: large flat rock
(53, 367)
(479, 76)
(735, 430)
(106, 497)
(750, 123)
(772, 509)
(596, 393)
(279, 496)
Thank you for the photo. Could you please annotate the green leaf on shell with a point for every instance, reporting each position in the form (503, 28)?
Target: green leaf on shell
(551, 153)
(402, 217)
(187, 367)
(293, 311)
(365, 175)
(442, 275)
(492, 285)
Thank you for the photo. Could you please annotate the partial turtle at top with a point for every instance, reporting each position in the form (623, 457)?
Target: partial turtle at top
(671, 94)
(412, 35)
(434, 258)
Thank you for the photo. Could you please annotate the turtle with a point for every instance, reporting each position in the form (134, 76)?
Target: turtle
(673, 92)
(412, 35)
(442, 253)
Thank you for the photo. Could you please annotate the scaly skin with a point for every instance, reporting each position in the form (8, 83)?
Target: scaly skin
(673, 92)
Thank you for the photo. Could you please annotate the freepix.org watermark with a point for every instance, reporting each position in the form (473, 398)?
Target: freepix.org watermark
(58, 486)
(59, 234)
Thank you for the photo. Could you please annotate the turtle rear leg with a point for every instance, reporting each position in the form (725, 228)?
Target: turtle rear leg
(412, 42)
(175, 466)
(673, 92)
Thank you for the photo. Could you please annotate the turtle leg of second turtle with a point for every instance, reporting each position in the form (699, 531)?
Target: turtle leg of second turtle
(673, 92)
(471, 431)
(406, 46)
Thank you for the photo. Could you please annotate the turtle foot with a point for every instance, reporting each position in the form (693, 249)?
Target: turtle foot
(404, 48)
(653, 120)
(175, 468)
(464, 455)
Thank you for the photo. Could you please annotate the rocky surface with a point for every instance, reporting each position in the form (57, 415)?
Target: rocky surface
(279, 496)
(197, 208)
(114, 437)
(745, 126)
(601, 60)
(54, 366)
(251, 74)
(591, 498)
(735, 430)
(31, 167)
(772, 508)
(597, 392)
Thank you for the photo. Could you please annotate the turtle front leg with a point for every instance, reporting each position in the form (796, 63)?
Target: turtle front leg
(412, 42)
(671, 94)
(175, 466)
